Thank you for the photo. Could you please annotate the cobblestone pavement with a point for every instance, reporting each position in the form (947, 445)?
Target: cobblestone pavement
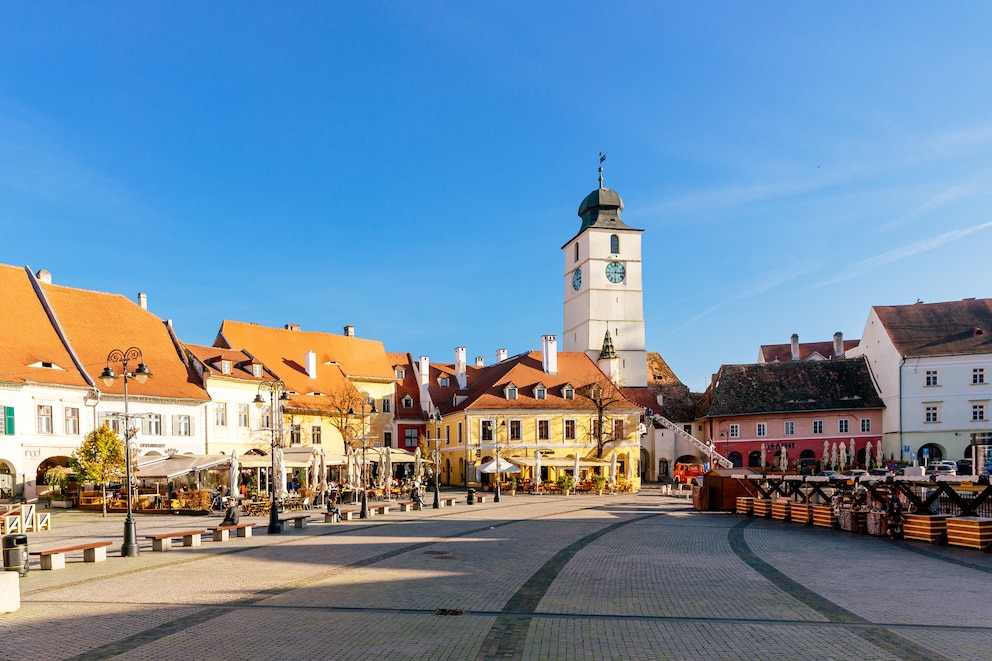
(533, 577)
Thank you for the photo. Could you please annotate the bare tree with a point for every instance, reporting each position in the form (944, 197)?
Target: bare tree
(604, 396)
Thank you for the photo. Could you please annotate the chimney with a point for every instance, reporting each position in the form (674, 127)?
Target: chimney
(349, 331)
(425, 381)
(795, 346)
(143, 300)
(838, 345)
(500, 355)
(480, 361)
(292, 327)
(44, 276)
(460, 370)
(549, 354)
(311, 364)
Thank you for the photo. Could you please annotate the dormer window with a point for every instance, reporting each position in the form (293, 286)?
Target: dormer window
(510, 392)
(568, 392)
(443, 381)
(225, 366)
(400, 374)
(256, 371)
(540, 392)
(407, 402)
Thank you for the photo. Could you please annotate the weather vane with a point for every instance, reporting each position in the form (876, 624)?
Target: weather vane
(602, 157)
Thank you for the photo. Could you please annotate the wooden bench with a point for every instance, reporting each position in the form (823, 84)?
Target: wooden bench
(408, 505)
(163, 541)
(447, 501)
(223, 533)
(379, 508)
(480, 497)
(55, 558)
(298, 521)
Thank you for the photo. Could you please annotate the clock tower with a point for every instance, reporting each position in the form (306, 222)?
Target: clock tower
(603, 290)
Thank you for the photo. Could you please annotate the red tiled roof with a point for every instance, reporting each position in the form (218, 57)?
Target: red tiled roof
(783, 352)
(936, 329)
(28, 337)
(240, 362)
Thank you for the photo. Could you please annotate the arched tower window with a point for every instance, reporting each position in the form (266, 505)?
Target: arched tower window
(614, 244)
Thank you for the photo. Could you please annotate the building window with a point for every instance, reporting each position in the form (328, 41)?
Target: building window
(243, 416)
(543, 430)
(387, 438)
(220, 414)
(44, 419)
(265, 417)
(295, 435)
(818, 426)
(111, 420)
(978, 375)
(576, 252)
(790, 428)
(225, 366)
(71, 421)
(865, 425)
(486, 430)
(407, 402)
(400, 374)
(568, 392)
(459, 433)
(256, 371)
(7, 421)
(931, 378)
(615, 244)
(762, 429)
(516, 430)
(410, 437)
(619, 433)
(511, 392)
(735, 431)
(843, 427)
(315, 435)
(182, 425)
(931, 413)
(443, 381)
(594, 428)
(540, 392)
(978, 411)
(447, 434)
(151, 424)
(570, 430)
(387, 405)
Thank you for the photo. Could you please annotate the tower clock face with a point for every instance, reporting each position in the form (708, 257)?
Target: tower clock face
(615, 272)
(577, 279)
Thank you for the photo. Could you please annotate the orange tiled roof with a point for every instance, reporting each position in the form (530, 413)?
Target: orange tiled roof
(28, 336)
(339, 357)
(96, 323)
(241, 363)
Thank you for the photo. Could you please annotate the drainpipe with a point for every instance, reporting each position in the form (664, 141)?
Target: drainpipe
(901, 446)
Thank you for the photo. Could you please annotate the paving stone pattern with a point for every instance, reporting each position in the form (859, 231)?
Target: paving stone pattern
(534, 577)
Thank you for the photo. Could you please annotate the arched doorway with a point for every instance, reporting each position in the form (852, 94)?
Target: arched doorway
(688, 459)
(7, 485)
(40, 482)
(736, 459)
(645, 463)
(662, 469)
(930, 452)
(754, 459)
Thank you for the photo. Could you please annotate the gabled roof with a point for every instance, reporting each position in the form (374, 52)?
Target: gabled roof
(938, 329)
(408, 385)
(526, 371)
(339, 357)
(96, 323)
(807, 351)
(28, 337)
(843, 384)
(240, 363)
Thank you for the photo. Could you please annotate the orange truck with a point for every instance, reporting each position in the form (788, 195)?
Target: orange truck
(683, 473)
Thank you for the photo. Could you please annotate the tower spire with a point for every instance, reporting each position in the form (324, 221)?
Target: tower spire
(602, 157)
(608, 350)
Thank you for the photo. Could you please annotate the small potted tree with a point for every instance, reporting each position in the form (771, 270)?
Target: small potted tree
(566, 483)
(599, 483)
(57, 479)
(513, 486)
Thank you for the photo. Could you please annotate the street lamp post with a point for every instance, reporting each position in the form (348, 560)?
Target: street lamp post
(436, 419)
(277, 395)
(496, 444)
(362, 402)
(129, 548)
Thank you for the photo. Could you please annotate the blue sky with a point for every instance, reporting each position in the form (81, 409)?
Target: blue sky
(413, 168)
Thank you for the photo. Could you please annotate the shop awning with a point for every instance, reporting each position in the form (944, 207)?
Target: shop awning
(396, 455)
(180, 464)
(265, 461)
(558, 462)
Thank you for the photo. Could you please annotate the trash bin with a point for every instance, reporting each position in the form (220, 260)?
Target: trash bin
(470, 497)
(15, 553)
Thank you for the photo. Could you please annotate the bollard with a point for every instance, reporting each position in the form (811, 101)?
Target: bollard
(470, 497)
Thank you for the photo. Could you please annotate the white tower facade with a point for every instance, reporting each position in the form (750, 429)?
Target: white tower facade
(603, 287)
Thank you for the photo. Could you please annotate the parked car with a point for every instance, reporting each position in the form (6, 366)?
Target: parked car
(855, 473)
(964, 466)
(684, 473)
(833, 475)
(880, 472)
(940, 469)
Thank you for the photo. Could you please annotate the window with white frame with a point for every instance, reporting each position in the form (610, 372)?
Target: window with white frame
(295, 434)
(486, 430)
(400, 374)
(256, 370)
(570, 430)
(978, 375)
(243, 416)
(71, 421)
(931, 378)
(735, 430)
(225, 366)
(45, 419)
(790, 428)
(762, 429)
(220, 414)
(568, 392)
(977, 411)
(543, 430)
(265, 417)
(540, 392)
(407, 402)
(112, 420)
(151, 424)
(594, 428)
(410, 437)
(931, 413)
(316, 435)
(443, 381)
(818, 426)
(843, 426)
(865, 425)
(447, 434)
(182, 425)
(511, 391)
(516, 430)
(459, 433)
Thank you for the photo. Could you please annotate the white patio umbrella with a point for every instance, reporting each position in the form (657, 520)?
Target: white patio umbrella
(843, 455)
(833, 456)
(537, 470)
(279, 479)
(575, 470)
(503, 466)
(418, 467)
(613, 468)
(763, 456)
(852, 454)
(878, 451)
(388, 468)
(825, 459)
(868, 453)
(784, 464)
(234, 474)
